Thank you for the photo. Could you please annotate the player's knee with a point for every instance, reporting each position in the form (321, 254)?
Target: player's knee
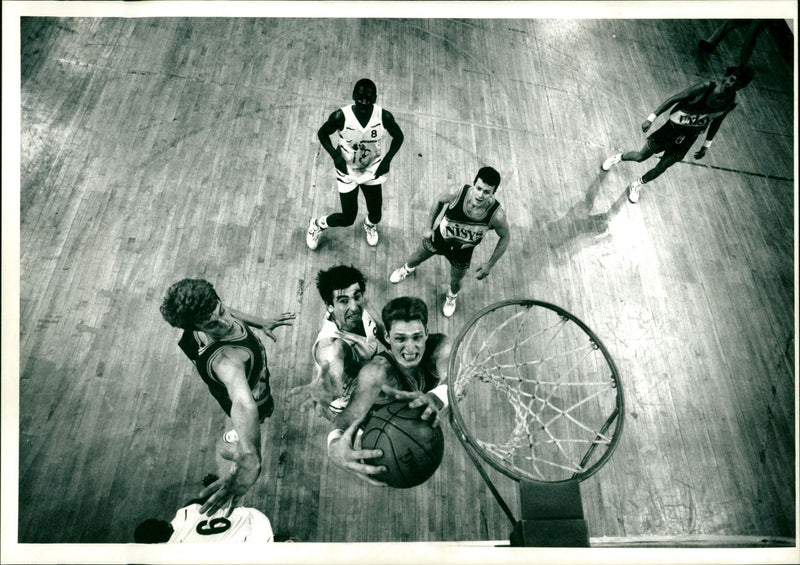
(348, 218)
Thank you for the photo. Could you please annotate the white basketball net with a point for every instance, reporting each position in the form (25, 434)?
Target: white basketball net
(535, 394)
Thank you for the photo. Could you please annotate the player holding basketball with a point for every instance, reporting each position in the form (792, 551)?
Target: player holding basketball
(411, 369)
(232, 362)
(359, 160)
(700, 107)
(458, 222)
(348, 339)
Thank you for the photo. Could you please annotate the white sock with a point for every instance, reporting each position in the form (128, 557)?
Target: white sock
(409, 269)
(322, 222)
(450, 294)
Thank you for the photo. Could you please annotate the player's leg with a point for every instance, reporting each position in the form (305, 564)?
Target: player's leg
(422, 253)
(708, 45)
(666, 161)
(347, 216)
(373, 195)
(644, 153)
(457, 274)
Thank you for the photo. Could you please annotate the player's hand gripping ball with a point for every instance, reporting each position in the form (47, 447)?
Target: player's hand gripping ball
(412, 448)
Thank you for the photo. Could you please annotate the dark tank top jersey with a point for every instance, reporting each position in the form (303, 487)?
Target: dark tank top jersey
(255, 367)
(459, 230)
(430, 376)
(697, 114)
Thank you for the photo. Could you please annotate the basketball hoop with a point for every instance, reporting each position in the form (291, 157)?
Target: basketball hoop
(535, 394)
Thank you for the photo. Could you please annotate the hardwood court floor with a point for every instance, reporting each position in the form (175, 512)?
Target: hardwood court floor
(157, 149)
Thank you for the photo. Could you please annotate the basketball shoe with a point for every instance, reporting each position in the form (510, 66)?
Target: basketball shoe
(611, 161)
(401, 273)
(313, 234)
(449, 304)
(633, 190)
(372, 233)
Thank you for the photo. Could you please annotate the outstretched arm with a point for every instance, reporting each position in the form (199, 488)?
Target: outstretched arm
(327, 381)
(687, 94)
(246, 465)
(266, 324)
(390, 125)
(334, 123)
(500, 225)
(343, 448)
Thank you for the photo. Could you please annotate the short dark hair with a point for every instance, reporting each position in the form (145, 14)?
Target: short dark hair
(404, 309)
(744, 75)
(336, 278)
(153, 531)
(189, 302)
(366, 83)
(488, 175)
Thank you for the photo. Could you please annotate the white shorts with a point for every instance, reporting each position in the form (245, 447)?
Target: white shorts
(350, 181)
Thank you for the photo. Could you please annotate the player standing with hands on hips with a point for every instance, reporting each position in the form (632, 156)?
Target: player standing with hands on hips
(359, 159)
(698, 107)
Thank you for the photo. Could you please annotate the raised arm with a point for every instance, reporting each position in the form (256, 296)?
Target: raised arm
(343, 449)
(246, 465)
(500, 225)
(266, 324)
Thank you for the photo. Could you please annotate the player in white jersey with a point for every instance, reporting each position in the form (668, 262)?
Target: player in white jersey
(348, 339)
(191, 525)
(360, 159)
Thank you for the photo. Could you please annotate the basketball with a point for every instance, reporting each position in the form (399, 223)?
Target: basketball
(412, 448)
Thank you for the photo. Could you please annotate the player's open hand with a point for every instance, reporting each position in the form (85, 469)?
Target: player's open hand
(646, 125)
(269, 324)
(227, 491)
(344, 454)
(314, 396)
(429, 401)
(700, 153)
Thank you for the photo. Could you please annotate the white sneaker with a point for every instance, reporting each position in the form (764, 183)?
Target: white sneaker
(633, 190)
(449, 305)
(611, 161)
(400, 274)
(372, 234)
(313, 234)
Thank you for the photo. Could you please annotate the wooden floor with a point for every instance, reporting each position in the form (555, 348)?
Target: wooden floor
(157, 149)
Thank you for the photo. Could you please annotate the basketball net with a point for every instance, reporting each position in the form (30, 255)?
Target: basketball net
(535, 394)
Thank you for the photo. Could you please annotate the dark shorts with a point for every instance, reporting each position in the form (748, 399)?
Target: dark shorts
(459, 258)
(672, 140)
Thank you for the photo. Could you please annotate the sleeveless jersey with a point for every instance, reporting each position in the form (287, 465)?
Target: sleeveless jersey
(428, 375)
(361, 348)
(697, 114)
(362, 147)
(203, 354)
(459, 230)
(243, 525)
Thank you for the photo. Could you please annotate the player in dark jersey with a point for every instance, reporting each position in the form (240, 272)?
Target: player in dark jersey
(412, 369)
(458, 222)
(700, 107)
(232, 362)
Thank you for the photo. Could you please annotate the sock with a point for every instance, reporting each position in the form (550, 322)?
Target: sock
(368, 223)
(322, 222)
(451, 295)
(409, 269)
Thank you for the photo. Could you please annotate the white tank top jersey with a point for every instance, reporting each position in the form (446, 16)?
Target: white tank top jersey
(362, 147)
(362, 347)
(243, 525)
